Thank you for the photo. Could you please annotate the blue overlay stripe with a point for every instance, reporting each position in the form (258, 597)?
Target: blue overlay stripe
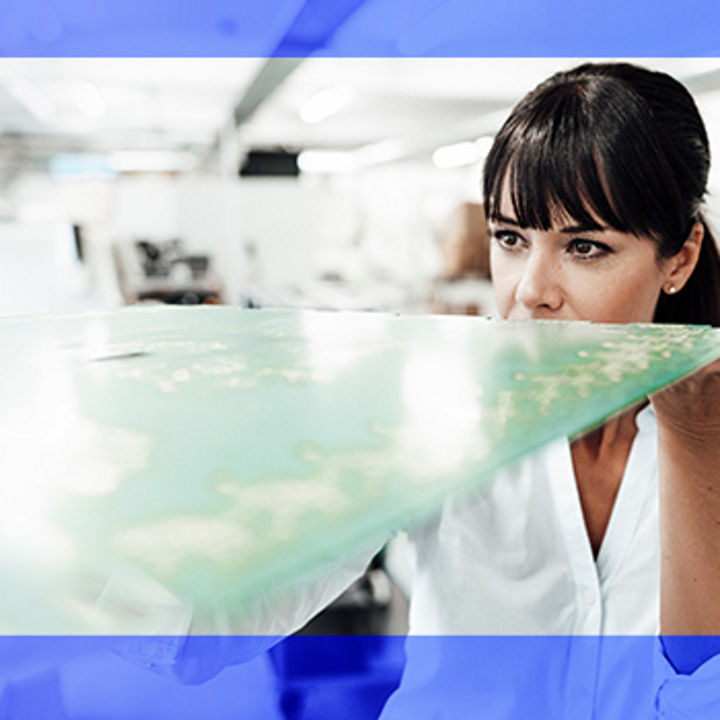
(496, 678)
(366, 28)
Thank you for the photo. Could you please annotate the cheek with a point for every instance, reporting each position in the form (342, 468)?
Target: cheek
(630, 297)
(637, 305)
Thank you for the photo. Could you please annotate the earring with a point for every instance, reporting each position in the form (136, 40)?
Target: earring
(671, 290)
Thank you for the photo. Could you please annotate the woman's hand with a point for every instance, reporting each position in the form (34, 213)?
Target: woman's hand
(690, 409)
(688, 416)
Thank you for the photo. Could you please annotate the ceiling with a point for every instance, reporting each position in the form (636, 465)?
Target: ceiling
(48, 106)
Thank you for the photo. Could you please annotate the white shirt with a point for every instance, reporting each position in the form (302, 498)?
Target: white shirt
(520, 550)
(525, 623)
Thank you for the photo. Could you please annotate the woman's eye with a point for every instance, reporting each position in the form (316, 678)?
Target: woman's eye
(507, 239)
(588, 248)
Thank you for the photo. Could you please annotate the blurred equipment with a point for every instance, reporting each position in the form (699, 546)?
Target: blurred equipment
(270, 162)
(463, 287)
(166, 274)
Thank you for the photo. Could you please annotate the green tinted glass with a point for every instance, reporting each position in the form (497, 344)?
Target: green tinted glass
(223, 452)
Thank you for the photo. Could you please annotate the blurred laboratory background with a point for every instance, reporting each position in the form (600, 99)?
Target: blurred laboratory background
(260, 182)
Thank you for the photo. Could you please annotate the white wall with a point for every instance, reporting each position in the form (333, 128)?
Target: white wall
(39, 270)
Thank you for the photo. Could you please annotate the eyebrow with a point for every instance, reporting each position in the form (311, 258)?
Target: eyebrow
(505, 220)
(567, 229)
(583, 228)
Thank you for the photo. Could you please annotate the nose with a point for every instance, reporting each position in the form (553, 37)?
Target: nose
(539, 289)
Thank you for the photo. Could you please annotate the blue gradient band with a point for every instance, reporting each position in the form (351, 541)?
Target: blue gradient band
(495, 678)
(363, 28)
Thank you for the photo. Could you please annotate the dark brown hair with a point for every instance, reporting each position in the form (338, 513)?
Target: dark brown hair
(620, 143)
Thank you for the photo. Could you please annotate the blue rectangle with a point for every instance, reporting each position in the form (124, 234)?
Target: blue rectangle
(311, 677)
(362, 28)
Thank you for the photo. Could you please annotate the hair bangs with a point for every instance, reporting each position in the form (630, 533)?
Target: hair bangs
(553, 170)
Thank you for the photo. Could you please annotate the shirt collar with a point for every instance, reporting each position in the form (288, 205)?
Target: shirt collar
(645, 419)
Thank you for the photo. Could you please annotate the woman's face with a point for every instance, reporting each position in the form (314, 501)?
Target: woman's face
(572, 273)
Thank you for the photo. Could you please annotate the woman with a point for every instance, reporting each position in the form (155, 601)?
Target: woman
(593, 190)
(594, 187)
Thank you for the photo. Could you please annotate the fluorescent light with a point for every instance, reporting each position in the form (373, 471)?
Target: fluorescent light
(462, 153)
(483, 145)
(455, 155)
(88, 100)
(327, 102)
(151, 161)
(381, 152)
(326, 161)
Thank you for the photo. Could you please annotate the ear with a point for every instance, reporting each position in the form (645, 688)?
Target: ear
(681, 266)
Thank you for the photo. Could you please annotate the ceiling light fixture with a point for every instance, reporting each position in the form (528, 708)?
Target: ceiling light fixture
(326, 161)
(88, 99)
(326, 103)
(462, 153)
